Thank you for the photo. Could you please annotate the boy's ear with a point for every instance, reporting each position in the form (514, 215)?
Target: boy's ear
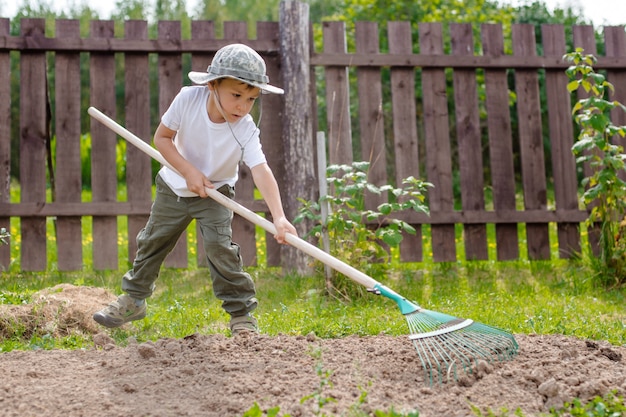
(211, 85)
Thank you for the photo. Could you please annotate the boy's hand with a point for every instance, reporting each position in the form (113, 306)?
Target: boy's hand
(197, 182)
(283, 227)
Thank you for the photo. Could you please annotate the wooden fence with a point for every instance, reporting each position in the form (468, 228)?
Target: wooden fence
(416, 114)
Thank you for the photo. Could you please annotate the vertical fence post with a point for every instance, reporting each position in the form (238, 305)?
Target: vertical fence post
(404, 120)
(137, 111)
(437, 144)
(500, 138)
(170, 83)
(5, 144)
(34, 134)
(103, 152)
(67, 130)
(297, 118)
(531, 142)
(561, 130)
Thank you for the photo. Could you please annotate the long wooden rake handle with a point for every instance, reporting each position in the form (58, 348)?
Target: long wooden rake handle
(251, 216)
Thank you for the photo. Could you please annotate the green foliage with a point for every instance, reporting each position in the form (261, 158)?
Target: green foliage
(255, 411)
(504, 412)
(7, 297)
(598, 147)
(355, 233)
(444, 11)
(610, 405)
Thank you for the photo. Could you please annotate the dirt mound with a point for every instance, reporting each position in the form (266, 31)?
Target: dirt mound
(213, 375)
(61, 310)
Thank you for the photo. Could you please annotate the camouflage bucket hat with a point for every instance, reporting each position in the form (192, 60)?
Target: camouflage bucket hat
(239, 62)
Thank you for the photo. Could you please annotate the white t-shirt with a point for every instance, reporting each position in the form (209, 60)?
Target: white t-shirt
(209, 146)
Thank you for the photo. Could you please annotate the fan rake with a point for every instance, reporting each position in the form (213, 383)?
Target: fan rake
(445, 344)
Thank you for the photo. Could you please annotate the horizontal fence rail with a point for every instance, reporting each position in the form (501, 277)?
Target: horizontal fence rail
(491, 129)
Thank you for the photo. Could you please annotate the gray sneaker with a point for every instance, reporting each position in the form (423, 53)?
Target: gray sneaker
(243, 324)
(121, 311)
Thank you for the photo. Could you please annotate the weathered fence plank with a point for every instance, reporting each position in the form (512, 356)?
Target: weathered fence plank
(500, 143)
(103, 140)
(406, 151)
(137, 111)
(170, 83)
(531, 142)
(371, 123)
(272, 133)
(562, 140)
(5, 144)
(469, 142)
(203, 30)
(67, 184)
(615, 44)
(439, 160)
(337, 97)
(34, 137)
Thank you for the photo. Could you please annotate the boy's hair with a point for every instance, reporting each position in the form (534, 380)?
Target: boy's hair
(218, 81)
(239, 62)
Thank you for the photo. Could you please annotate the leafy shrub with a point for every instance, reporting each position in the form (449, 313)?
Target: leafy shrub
(357, 234)
(610, 405)
(605, 190)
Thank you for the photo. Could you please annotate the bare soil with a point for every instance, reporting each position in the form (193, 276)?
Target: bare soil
(214, 375)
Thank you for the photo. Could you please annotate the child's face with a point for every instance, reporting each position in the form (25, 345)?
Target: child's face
(235, 97)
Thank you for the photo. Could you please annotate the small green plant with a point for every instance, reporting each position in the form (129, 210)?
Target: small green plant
(358, 234)
(605, 190)
(504, 412)
(393, 413)
(255, 411)
(324, 375)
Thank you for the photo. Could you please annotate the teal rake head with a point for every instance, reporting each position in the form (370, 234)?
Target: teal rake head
(447, 344)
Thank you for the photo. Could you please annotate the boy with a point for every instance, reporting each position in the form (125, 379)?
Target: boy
(205, 133)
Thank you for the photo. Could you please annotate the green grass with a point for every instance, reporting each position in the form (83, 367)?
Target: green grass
(545, 298)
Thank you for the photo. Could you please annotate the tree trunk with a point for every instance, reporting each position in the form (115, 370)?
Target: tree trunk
(299, 148)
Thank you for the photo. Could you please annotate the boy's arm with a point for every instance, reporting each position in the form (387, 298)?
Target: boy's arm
(164, 142)
(267, 185)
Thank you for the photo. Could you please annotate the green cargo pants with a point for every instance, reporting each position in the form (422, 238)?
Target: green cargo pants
(169, 217)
